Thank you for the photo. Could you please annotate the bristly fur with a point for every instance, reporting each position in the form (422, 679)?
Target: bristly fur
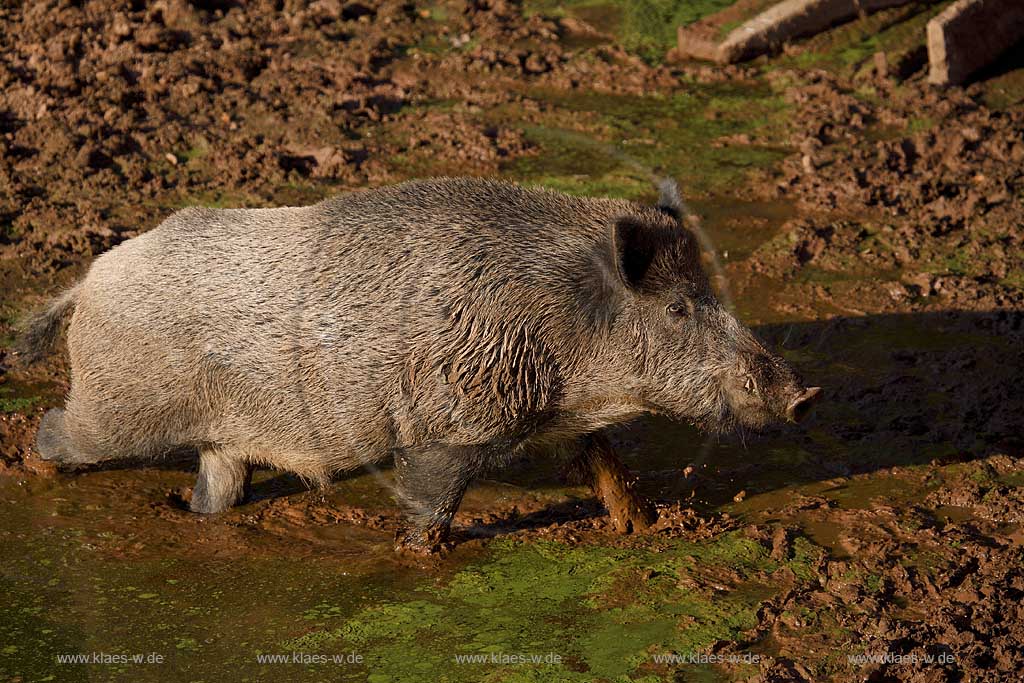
(450, 323)
(38, 334)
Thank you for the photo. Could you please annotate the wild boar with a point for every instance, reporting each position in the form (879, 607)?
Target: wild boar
(452, 324)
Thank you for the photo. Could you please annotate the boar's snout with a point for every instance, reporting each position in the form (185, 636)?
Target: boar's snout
(765, 389)
(801, 405)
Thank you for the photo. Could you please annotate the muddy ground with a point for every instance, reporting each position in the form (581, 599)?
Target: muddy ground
(868, 227)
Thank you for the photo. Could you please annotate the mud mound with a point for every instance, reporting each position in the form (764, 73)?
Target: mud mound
(940, 176)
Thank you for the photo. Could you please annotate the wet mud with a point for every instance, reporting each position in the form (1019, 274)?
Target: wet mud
(868, 227)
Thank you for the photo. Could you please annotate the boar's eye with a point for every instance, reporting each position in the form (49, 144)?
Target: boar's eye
(678, 309)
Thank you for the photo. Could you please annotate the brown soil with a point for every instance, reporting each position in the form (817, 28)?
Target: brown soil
(943, 204)
(894, 586)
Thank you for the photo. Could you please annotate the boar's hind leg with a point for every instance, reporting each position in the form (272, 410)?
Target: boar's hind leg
(611, 482)
(224, 479)
(61, 442)
(431, 483)
(51, 440)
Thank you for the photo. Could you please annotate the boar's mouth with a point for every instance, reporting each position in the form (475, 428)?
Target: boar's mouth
(749, 408)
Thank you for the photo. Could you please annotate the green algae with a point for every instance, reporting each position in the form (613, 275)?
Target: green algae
(602, 610)
(64, 597)
(220, 199)
(711, 137)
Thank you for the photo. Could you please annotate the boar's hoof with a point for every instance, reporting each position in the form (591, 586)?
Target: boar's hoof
(633, 515)
(430, 541)
(50, 439)
(203, 504)
(614, 486)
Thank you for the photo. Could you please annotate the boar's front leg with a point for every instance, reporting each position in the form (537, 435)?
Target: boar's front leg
(431, 483)
(598, 467)
(225, 477)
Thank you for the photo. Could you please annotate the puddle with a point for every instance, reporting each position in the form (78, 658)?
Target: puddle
(827, 535)
(79, 552)
(737, 228)
(954, 514)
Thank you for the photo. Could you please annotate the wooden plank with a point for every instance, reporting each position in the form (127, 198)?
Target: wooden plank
(770, 29)
(971, 34)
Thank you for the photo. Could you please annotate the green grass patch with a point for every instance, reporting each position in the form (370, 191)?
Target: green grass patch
(1015, 278)
(217, 199)
(19, 404)
(919, 124)
(958, 263)
(646, 27)
(14, 401)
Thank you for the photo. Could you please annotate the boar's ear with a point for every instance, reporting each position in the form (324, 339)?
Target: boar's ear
(635, 246)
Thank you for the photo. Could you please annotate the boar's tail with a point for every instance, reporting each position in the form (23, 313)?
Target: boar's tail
(670, 202)
(669, 199)
(40, 331)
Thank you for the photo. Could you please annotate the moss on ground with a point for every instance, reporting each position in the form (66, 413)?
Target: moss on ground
(603, 611)
(849, 46)
(19, 398)
(630, 138)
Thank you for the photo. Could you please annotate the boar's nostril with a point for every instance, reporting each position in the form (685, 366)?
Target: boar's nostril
(801, 405)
